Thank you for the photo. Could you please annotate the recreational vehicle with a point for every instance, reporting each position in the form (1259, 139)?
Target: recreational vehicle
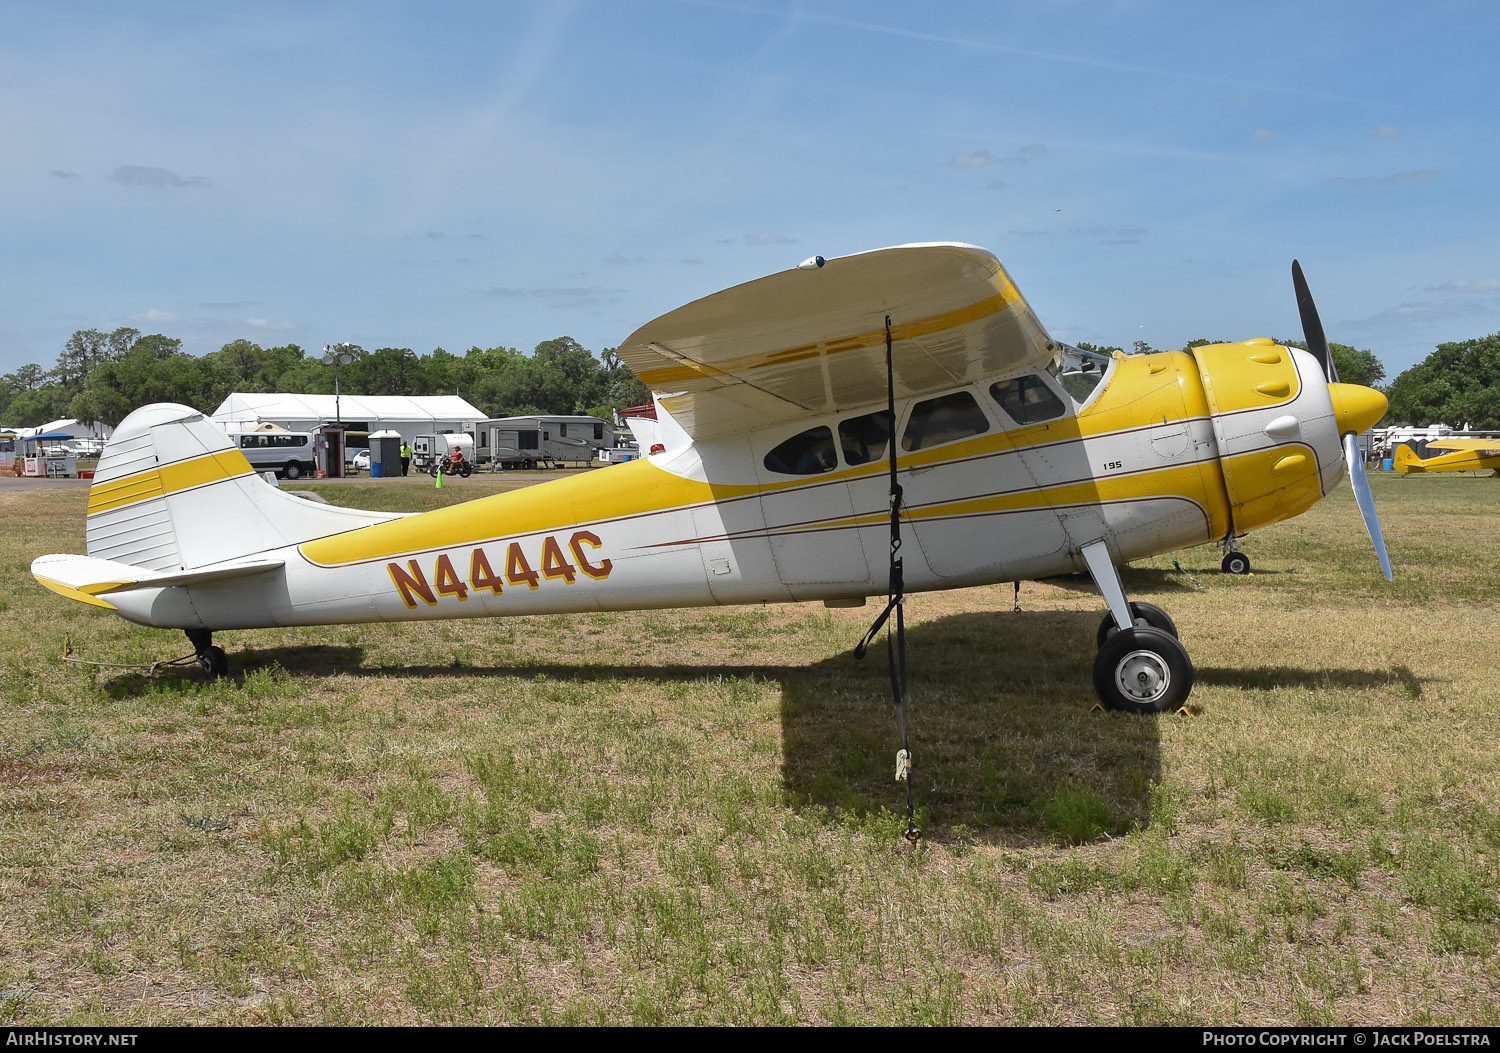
(525, 442)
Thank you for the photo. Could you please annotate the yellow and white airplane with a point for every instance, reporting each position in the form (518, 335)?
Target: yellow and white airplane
(1473, 455)
(1018, 458)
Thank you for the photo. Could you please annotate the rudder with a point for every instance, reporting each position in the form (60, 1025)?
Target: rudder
(1406, 460)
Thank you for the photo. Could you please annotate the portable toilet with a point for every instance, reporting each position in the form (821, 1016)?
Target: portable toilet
(385, 454)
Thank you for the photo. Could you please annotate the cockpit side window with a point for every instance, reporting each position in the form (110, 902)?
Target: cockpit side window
(810, 452)
(946, 418)
(1028, 399)
(863, 439)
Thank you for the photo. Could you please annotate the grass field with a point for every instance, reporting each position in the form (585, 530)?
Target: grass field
(689, 817)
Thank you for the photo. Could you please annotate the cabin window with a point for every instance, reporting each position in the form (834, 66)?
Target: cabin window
(562, 431)
(806, 453)
(863, 439)
(598, 432)
(528, 441)
(947, 418)
(484, 440)
(1028, 399)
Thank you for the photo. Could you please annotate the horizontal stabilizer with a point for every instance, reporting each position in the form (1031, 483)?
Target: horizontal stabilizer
(88, 578)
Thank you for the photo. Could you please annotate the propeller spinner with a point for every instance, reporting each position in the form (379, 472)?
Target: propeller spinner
(1356, 408)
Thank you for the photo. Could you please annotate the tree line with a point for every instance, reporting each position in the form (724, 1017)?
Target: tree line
(101, 377)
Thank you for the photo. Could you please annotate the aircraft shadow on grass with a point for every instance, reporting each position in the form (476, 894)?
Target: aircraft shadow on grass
(1007, 743)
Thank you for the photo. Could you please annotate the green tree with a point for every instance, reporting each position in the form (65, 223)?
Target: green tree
(567, 376)
(1355, 365)
(243, 362)
(390, 371)
(620, 388)
(153, 370)
(1457, 384)
(36, 406)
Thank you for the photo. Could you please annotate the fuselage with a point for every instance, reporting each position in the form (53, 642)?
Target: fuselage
(1003, 480)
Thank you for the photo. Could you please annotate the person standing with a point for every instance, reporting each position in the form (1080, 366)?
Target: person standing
(405, 456)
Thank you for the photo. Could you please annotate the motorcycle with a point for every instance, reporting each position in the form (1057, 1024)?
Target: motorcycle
(453, 464)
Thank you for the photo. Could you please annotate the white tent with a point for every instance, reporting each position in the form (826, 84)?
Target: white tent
(411, 415)
(69, 425)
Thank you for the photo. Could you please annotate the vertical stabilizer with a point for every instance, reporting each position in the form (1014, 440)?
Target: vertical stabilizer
(173, 493)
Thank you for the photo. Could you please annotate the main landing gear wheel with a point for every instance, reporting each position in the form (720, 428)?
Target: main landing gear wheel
(1235, 563)
(1142, 670)
(1146, 616)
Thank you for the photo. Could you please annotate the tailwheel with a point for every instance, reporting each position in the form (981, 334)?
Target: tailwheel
(1142, 670)
(211, 659)
(1145, 615)
(214, 662)
(1235, 563)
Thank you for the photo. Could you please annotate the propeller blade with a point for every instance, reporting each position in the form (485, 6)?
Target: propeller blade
(1312, 326)
(1354, 460)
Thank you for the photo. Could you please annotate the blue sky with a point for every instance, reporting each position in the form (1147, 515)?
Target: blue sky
(453, 174)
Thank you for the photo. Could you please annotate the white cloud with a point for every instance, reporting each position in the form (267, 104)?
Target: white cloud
(1425, 175)
(977, 159)
(1479, 285)
(147, 175)
(1264, 135)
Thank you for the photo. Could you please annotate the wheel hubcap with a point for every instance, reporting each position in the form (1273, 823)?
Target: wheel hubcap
(1142, 676)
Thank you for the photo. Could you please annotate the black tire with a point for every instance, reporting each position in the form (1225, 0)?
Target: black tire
(466, 471)
(432, 470)
(293, 470)
(1142, 670)
(1146, 615)
(214, 662)
(1235, 563)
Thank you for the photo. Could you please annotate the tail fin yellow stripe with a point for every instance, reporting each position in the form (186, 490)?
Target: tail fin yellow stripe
(169, 479)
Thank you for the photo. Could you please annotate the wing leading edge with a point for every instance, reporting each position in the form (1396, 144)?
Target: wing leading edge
(811, 340)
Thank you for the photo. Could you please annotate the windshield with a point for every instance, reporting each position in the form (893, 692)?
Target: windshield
(1081, 372)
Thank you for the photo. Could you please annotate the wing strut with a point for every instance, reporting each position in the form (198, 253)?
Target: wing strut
(895, 644)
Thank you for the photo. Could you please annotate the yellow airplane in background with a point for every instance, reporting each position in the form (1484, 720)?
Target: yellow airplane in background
(796, 412)
(1473, 455)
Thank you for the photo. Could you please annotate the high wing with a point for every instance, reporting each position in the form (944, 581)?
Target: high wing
(811, 340)
(1488, 446)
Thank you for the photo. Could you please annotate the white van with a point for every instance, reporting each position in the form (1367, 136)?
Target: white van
(288, 453)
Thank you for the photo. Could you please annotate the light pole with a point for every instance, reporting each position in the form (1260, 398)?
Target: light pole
(336, 355)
